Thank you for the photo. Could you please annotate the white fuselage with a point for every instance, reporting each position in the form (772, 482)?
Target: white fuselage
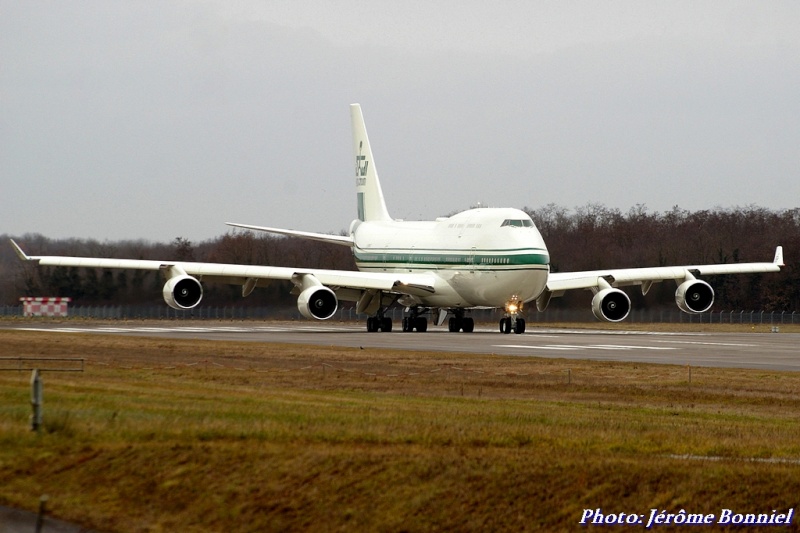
(480, 258)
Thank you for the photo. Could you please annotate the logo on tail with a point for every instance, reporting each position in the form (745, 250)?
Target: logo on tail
(361, 166)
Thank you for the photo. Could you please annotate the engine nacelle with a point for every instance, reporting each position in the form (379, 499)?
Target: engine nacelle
(317, 302)
(611, 305)
(182, 292)
(694, 296)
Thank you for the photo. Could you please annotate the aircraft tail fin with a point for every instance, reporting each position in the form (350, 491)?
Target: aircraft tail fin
(371, 205)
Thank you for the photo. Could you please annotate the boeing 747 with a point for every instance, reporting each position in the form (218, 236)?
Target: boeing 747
(479, 258)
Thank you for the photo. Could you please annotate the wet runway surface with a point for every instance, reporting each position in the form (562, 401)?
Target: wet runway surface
(774, 351)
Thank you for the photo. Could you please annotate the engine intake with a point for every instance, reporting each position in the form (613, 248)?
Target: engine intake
(694, 296)
(317, 302)
(611, 305)
(182, 292)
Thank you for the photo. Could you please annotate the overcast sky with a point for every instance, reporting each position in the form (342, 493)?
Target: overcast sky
(152, 120)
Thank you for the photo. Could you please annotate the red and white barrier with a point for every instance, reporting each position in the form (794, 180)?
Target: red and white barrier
(43, 306)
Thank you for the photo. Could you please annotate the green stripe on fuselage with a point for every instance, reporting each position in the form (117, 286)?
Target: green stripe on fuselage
(454, 259)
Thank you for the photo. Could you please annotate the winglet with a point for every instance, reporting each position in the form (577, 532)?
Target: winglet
(779, 256)
(22, 255)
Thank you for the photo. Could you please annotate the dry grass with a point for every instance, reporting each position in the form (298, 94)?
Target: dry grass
(164, 435)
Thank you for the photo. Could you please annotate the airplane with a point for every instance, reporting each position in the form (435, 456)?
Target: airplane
(479, 258)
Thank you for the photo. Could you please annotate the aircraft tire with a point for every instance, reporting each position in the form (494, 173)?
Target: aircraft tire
(505, 325)
(421, 324)
(468, 325)
(519, 326)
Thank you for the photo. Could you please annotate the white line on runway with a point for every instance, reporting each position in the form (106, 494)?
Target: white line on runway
(526, 347)
(623, 347)
(709, 343)
(187, 329)
(581, 347)
(535, 331)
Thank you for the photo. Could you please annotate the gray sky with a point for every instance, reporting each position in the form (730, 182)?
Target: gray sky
(158, 119)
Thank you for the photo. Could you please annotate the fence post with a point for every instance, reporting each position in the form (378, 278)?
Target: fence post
(37, 399)
(42, 510)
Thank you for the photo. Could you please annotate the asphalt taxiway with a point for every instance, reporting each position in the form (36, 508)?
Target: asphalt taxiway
(773, 351)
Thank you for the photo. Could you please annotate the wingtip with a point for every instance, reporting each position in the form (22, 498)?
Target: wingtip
(779, 256)
(22, 255)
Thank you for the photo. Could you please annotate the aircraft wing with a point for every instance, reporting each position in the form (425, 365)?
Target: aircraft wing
(558, 282)
(413, 284)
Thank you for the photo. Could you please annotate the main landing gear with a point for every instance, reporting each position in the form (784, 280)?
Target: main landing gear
(459, 322)
(379, 323)
(415, 322)
(410, 323)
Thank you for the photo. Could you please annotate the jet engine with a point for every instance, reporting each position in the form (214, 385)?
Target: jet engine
(694, 296)
(611, 305)
(182, 292)
(317, 302)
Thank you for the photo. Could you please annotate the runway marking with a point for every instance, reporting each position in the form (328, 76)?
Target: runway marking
(711, 343)
(524, 346)
(582, 347)
(190, 329)
(535, 331)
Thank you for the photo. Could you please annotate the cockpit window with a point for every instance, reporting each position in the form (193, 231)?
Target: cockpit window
(527, 223)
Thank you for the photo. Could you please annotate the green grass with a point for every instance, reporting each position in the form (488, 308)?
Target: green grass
(212, 436)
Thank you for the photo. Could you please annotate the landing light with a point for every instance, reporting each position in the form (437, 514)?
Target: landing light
(514, 306)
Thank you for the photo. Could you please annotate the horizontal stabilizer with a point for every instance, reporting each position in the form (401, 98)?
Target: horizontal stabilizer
(322, 237)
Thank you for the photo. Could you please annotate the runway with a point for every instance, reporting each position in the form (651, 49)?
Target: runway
(772, 351)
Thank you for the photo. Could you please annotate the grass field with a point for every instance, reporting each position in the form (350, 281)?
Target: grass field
(171, 435)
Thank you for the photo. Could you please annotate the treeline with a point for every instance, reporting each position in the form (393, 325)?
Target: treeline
(595, 236)
(586, 238)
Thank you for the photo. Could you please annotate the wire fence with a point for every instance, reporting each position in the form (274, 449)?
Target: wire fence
(553, 314)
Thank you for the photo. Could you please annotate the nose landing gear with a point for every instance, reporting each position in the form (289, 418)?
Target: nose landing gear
(512, 320)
